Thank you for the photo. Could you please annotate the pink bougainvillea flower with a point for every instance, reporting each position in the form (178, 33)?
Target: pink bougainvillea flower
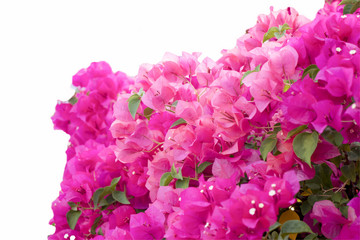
(328, 114)
(330, 217)
(148, 224)
(159, 94)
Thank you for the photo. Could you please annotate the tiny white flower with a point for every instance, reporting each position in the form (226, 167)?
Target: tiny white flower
(272, 193)
(252, 211)
(352, 52)
(338, 49)
(261, 205)
(211, 187)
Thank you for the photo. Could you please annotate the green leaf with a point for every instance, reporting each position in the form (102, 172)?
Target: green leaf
(311, 236)
(166, 179)
(286, 88)
(284, 27)
(72, 205)
(270, 33)
(305, 208)
(295, 131)
(175, 174)
(73, 100)
(147, 112)
(349, 171)
(294, 226)
(354, 153)
(347, 9)
(96, 196)
(202, 167)
(178, 122)
(114, 182)
(141, 92)
(267, 146)
(120, 197)
(332, 136)
(72, 217)
(312, 70)
(344, 211)
(336, 197)
(99, 194)
(182, 183)
(279, 35)
(274, 226)
(257, 69)
(174, 104)
(343, 2)
(95, 225)
(134, 103)
(304, 145)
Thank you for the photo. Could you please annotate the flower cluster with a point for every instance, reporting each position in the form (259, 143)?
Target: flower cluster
(263, 143)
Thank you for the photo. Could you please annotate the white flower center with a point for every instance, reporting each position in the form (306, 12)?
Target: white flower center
(352, 52)
(66, 235)
(252, 211)
(273, 185)
(252, 201)
(338, 49)
(353, 106)
(261, 205)
(343, 16)
(72, 237)
(133, 173)
(211, 187)
(272, 193)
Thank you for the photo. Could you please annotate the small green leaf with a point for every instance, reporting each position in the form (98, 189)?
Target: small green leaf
(96, 196)
(141, 92)
(274, 226)
(305, 208)
(279, 35)
(286, 88)
(73, 205)
(284, 27)
(295, 131)
(73, 100)
(336, 197)
(354, 153)
(174, 104)
(312, 70)
(175, 174)
(72, 217)
(270, 33)
(304, 145)
(294, 226)
(311, 236)
(178, 122)
(202, 167)
(120, 197)
(147, 112)
(134, 103)
(257, 69)
(267, 146)
(182, 183)
(343, 2)
(332, 136)
(166, 179)
(344, 211)
(349, 171)
(95, 225)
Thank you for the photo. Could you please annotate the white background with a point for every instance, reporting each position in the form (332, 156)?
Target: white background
(44, 43)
